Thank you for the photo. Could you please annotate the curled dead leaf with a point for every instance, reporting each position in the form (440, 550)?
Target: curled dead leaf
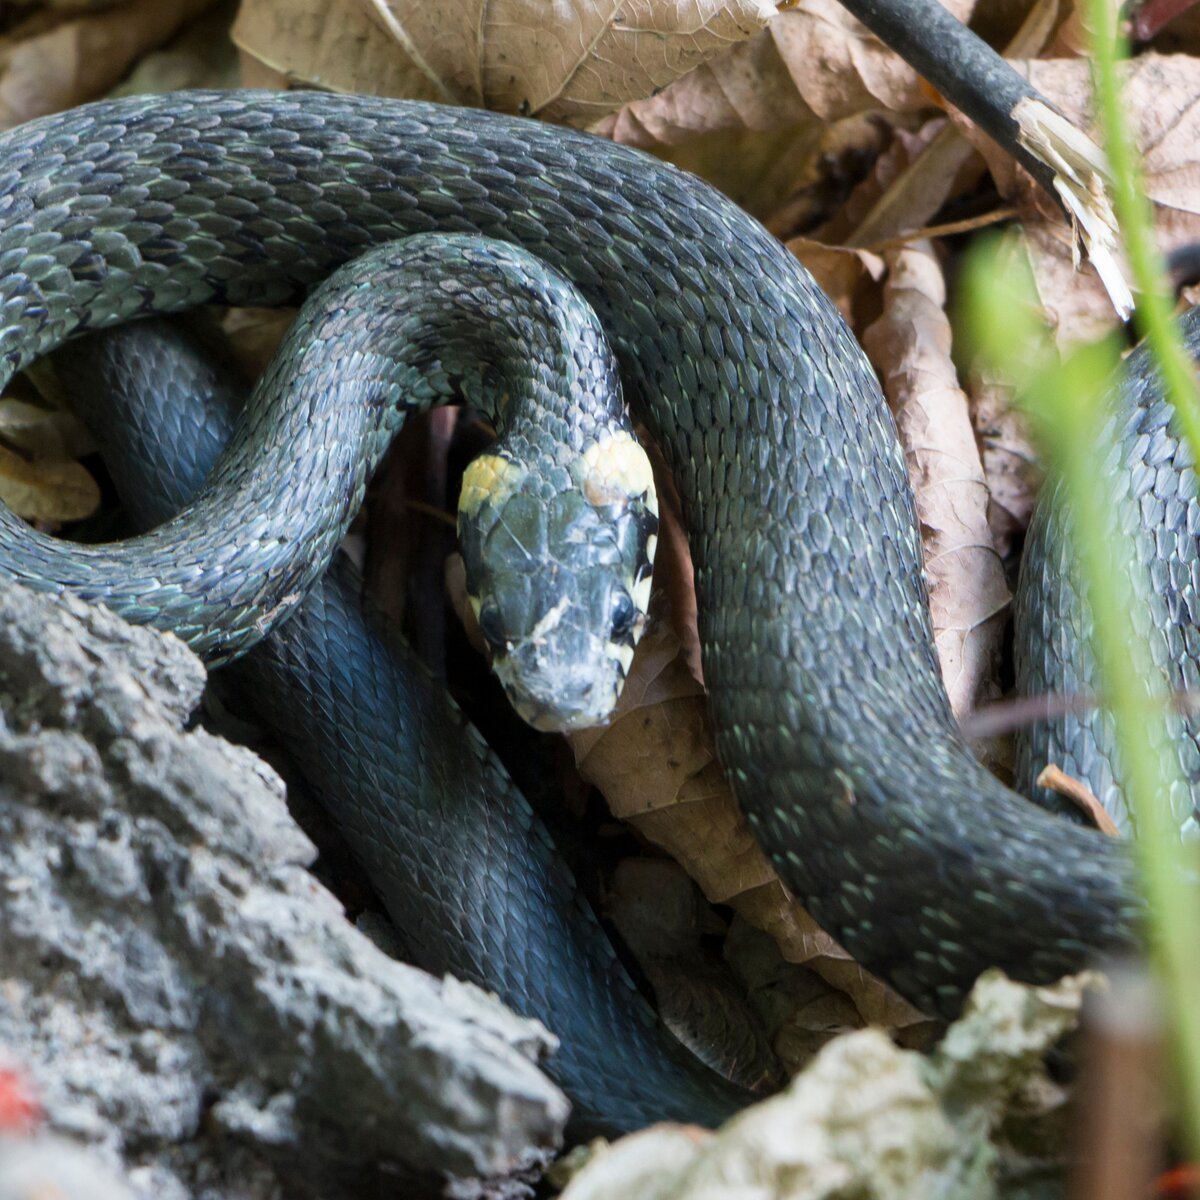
(1010, 462)
(1056, 779)
(507, 54)
(910, 348)
(42, 433)
(909, 181)
(254, 335)
(1163, 100)
(201, 56)
(841, 271)
(919, 171)
(47, 490)
(661, 918)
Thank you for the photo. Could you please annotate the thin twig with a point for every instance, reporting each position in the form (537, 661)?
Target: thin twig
(1010, 110)
(1007, 716)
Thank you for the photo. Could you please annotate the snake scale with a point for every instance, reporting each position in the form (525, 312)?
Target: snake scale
(831, 718)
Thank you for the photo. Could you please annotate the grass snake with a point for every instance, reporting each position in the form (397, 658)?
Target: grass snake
(831, 718)
(463, 866)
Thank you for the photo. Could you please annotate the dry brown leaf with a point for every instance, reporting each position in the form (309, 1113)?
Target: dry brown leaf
(1162, 95)
(202, 56)
(938, 167)
(889, 187)
(1075, 790)
(910, 348)
(73, 5)
(840, 67)
(848, 274)
(571, 62)
(1182, 35)
(42, 433)
(840, 271)
(673, 565)
(917, 173)
(47, 490)
(254, 335)
(83, 57)
(813, 65)
(1010, 462)
(1151, 17)
(657, 910)
(747, 87)
(332, 44)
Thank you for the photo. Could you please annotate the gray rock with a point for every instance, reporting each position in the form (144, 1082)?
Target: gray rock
(185, 996)
(44, 1166)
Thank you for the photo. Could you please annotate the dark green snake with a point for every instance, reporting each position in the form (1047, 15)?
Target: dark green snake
(1153, 490)
(464, 868)
(831, 718)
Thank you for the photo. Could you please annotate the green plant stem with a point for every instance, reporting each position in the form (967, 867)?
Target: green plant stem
(1174, 943)
(1068, 404)
(1070, 407)
(1155, 309)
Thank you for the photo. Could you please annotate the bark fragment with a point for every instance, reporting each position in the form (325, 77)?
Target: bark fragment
(184, 996)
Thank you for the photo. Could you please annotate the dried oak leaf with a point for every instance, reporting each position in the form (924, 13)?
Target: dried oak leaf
(910, 348)
(254, 335)
(569, 62)
(1162, 94)
(841, 271)
(850, 275)
(39, 479)
(73, 5)
(515, 56)
(913, 178)
(201, 56)
(889, 186)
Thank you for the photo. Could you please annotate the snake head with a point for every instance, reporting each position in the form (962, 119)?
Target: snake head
(558, 561)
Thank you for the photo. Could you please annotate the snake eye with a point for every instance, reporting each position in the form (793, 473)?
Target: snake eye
(624, 614)
(491, 626)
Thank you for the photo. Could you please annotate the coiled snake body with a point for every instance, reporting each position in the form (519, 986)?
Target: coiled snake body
(831, 717)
